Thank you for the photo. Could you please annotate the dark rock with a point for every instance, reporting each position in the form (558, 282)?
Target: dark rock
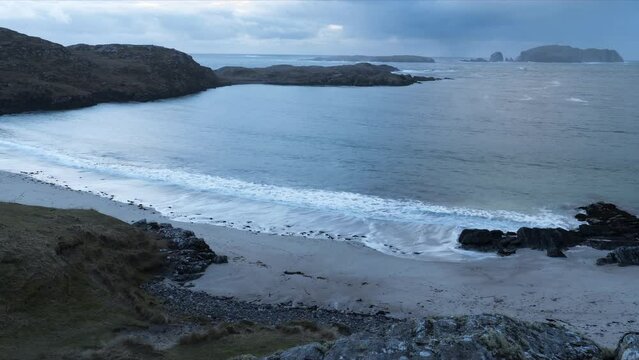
(544, 239)
(220, 259)
(480, 239)
(365, 58)
(465, 337)
(188, 256)
(36, 74)
(561, 53)
(497, 57)
(555, 252)
(623, 256)
(607, 228)
(628, 347)
(362, 74)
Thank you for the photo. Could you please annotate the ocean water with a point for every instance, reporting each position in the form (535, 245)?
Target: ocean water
(401, 169)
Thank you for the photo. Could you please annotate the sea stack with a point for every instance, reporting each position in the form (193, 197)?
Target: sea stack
(497, 57)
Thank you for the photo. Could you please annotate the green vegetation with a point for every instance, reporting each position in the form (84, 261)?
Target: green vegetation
(69, 288)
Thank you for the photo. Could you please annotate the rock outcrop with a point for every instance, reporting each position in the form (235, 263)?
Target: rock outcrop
(465, 337)
(362, 74)
(568, 54)
(623, 256)
(187, 256)
(36, 74)
(628, 347)
(365, 58)
(607, 228)
(497, 57)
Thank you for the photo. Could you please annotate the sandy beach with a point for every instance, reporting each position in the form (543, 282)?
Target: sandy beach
(597, 301)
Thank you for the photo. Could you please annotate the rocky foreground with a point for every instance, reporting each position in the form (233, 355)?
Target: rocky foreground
(606, 228)
(362, 74)
(76, 284)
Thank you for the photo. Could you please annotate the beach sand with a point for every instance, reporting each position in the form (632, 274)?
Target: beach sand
(600, 302)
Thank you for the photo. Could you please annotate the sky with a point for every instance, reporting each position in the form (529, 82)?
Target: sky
(430, 28)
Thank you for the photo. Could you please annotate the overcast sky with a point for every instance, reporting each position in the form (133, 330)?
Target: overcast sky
(433, 28)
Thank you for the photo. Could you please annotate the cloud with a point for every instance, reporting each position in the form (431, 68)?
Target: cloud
(437, 28)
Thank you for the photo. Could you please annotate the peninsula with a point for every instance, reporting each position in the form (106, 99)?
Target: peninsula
(36, 74)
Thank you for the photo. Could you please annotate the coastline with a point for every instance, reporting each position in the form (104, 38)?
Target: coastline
(596, 301)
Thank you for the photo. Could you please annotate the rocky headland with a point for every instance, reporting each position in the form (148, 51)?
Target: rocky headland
(366, 58)
(606, 227)
(568, 54)
(362, 74)
(37, 74)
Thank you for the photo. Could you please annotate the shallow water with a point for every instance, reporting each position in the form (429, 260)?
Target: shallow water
(401, 169)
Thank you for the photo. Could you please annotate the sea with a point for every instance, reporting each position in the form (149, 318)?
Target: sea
(402, 170)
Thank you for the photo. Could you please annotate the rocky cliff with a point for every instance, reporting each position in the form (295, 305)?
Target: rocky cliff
(568, 54)
(36, 74)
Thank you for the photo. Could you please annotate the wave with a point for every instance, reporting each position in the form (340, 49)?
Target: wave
(349, 203)
(577, 100)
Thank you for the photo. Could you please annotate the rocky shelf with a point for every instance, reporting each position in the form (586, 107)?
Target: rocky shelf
(606, 228)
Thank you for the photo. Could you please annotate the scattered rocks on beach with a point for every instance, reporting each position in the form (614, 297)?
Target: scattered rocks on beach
(181, 300)
(465, 337)
(607, 228)
(188, 256)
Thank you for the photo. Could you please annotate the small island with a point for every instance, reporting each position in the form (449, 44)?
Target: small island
(568, 54)
(366, 58)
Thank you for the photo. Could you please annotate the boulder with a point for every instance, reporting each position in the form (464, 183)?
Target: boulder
(628, 347)
(497, 57)
(623, 256)
(545, 239)
(481, 239)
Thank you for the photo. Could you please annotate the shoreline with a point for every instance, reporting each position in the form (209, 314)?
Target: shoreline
(346, 276)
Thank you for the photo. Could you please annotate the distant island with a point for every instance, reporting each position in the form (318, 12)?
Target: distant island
(362, 74)
(494, 57)
(389, 58)
(568, 54)
(36, 74)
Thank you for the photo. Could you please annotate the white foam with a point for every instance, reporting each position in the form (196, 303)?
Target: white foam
(577, 100)
(368, 206)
